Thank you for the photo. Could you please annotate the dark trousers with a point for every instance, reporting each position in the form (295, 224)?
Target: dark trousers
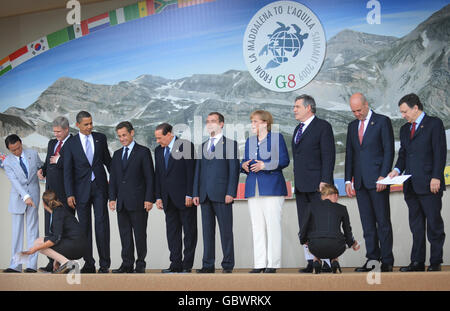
(133, 221)
(98, 199)
(375, 214)
(303, 199)
(425, 212)
(224, 214)
(326, 247)
(179, 220)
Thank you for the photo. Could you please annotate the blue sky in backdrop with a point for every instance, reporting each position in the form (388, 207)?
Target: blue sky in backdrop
(177, 43)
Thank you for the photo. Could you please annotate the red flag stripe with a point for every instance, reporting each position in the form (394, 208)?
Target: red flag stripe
(99, 17)
(18, 53)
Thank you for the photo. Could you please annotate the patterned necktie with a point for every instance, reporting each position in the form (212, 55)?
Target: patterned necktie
(413, 130)
(361, 132)
(125, 158)
(166, 156)
(299, 132)
(212, 148)
(58, 149)
(24, 168)
(89, 155)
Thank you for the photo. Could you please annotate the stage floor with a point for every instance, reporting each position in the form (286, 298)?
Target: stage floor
(239, 280)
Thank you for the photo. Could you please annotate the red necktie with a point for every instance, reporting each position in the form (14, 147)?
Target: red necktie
(413, 130)
(361, 132)
(58, 148)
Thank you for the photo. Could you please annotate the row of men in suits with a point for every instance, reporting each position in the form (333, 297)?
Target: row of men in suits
(75, 169)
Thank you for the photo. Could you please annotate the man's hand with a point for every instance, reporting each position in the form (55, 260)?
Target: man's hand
(40, 174)
(196, 201)
(29, 202)
(245, 166)
(393, 174)
(355, 246)
(188, 202)
(321, 185)
(159, 204)
(71, 202)
(381, 187)
(435, 185)
(148, 206)
(54, 159)
(112, 205)
(256, 167)
(349, 190)
(228, 199)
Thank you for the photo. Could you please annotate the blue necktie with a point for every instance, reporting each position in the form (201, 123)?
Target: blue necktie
(24, 168)
(166, 156)
(125, 158)
(212, 148)
(89, 155)
(299, 132)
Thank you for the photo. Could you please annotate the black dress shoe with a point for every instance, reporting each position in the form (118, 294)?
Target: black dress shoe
(270, 270)
(65, 268)
(309, 268)
(365, 267)
(138, 270)
(256, 270)
(29, 270)
(433, 268)
(103, 270)
(206, 270)
(317, 266)
(171, 270)
(413, 267)
(227, 271)
(9, 270)
(186, 271)
(386, 267)
(123, 269)
(326, 268)
(87, 269)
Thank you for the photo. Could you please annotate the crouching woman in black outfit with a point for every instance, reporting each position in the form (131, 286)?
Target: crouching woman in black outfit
(321, 229)
(66, 241)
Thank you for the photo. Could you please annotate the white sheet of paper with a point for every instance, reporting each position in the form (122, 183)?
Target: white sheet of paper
(20, 259)
(394, 181)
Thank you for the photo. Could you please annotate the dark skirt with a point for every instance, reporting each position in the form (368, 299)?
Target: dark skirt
(326, 248)
(71, 249)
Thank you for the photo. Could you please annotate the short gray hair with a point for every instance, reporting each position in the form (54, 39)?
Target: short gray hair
(62, 122)
(307, 101)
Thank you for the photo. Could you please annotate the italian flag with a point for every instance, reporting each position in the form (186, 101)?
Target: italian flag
(5, 65)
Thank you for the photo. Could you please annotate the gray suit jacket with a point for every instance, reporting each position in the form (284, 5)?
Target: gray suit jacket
(20, 185)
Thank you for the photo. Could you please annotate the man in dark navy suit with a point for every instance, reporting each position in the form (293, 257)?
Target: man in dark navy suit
(53, 171)
(368, 158)
(174, 174)
(215, 186)
(131, 193)
(314, 157)
(86, 184)
(423, 155)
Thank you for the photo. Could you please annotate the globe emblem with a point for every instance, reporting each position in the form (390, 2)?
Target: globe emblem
(283, 43)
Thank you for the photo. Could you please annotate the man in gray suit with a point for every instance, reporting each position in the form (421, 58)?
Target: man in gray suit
(21, 167)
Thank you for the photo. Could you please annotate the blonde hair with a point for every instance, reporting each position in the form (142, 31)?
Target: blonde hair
(49, 198)
(329, 190)
(265, 116)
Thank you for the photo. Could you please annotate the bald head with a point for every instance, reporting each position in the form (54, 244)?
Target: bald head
(359, 106)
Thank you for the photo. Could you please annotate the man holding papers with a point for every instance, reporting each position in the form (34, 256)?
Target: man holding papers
(422, 154)
(369, 157)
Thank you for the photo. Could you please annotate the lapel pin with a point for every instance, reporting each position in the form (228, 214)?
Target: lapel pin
(421, 126)
(372, 123)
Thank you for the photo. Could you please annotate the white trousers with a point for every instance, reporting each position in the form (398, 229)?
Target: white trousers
(265, 215)
(32, 228)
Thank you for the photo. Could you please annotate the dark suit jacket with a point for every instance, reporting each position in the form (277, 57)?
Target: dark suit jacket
(424, 157)
(374, 157)
(54, 173)
(323, 219)
(131, 186)
(176, 181)
(314, 156)
(218, 175)
(77, 170)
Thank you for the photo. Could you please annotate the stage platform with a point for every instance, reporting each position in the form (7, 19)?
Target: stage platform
(239, 280)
